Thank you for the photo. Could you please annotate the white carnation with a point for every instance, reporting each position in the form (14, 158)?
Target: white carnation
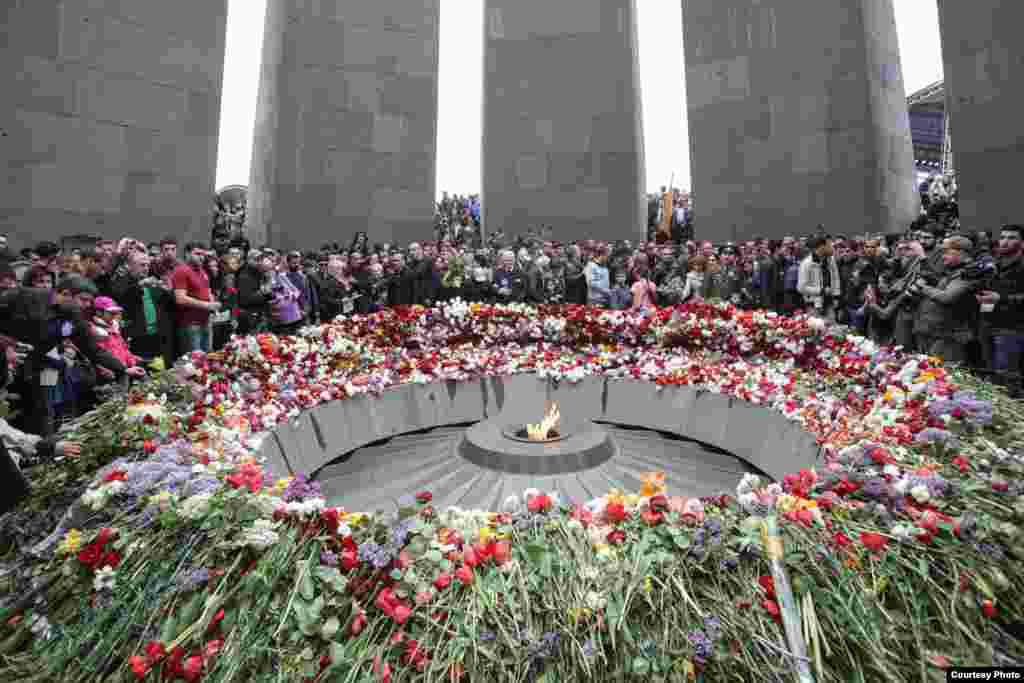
(260, 535)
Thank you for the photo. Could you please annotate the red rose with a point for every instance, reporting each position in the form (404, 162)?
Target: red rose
(616, 537)
(841, 539)
(615, 512)
(155, 651)
(110, 559)
(90, 555)
(400, 613)
(464, 574)
(539, 503)
(149, 447)
(140, 666)
(772, 608)
(427, 512)
(193, 669)
(651, 518)
(424, 497)
(442, 581)
(872, 541)
(768, 585)
(470, 556)
(988, 609)
(358, 622)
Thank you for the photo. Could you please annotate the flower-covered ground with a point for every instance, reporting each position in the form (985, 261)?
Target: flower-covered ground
(181, 559)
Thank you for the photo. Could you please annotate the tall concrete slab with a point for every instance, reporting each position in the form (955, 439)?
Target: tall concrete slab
(109, 117)
(563, 144)
(797, 116)
(984, 78)
(346, 122)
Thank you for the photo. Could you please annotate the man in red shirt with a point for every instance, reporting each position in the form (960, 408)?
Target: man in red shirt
(194, 300)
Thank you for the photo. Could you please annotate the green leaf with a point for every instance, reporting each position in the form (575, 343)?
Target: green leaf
(337, 652)
(330, 628)
(332, 578)
(641, 666)
(306, 588)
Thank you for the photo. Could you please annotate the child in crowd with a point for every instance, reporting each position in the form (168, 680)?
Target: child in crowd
(106, 328)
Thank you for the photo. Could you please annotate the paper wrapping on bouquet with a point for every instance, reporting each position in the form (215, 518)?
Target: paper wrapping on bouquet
(791, 619)
(15, 487)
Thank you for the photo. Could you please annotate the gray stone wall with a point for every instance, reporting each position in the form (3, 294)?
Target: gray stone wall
(109, 117)
(797, 116)
(984, 74)
(346, 122)
(562, 139)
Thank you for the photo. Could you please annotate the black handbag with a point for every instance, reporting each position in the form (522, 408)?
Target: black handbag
(14, 487)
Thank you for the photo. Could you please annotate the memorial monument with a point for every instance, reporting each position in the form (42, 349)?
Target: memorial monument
(562, 143)
(346, 122)
(797, 116)
(109, 117)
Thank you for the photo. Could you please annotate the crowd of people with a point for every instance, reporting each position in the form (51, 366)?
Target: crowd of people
(99, 316)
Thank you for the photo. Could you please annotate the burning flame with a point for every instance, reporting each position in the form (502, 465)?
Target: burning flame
(542, 431)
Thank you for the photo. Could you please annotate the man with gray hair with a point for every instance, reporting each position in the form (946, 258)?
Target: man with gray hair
(509, 285)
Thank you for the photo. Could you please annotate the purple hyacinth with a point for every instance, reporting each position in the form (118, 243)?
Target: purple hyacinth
(300, 488)
(874, 487)
(936, 436)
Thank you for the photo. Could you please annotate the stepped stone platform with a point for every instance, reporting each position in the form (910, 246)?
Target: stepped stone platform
(737, 437)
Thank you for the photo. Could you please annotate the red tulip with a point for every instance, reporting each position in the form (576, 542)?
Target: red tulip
(872, 541)
(988, 609)
(442, 581)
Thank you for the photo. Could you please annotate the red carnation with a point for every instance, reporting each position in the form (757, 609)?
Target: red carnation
(651, 518)
(772, 608)
(768, 585)
(659, 503)
(193, 669)
(442, 581)
(140, 666)
(424, 497)
(615, 512)
(841, 539)
(988, 609)
(464, 574)
(872, 541)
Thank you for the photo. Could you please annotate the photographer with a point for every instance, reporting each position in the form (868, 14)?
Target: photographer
(18, 449)
(1001, 308)
(946, 317)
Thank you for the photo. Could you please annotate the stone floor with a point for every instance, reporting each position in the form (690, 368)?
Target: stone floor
(375, 476)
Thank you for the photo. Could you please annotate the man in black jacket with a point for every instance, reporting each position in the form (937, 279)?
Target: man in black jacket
(400, 286)
(148, 309)
(1002, 306)
(254, 294)
(420, 272)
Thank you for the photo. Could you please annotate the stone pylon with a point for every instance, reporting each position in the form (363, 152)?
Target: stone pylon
(563, 144)
(109, 117)
(797, 116)
(346, 122)
(984, 74)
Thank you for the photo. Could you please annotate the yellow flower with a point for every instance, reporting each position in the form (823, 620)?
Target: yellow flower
(71, 542)
(785, 503)
(486, 534)
(615, 496)
(654, 483)
(648, 585)
(355, 518)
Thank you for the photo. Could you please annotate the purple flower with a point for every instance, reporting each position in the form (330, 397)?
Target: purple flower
(588, 648)
(328, 558)
(936, 436)
(874, 487)
(300, 489)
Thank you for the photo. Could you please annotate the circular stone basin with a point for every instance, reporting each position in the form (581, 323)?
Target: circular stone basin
(497, 446)
(519, 433)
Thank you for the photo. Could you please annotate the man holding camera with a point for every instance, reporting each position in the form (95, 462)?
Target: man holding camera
(946, 317)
